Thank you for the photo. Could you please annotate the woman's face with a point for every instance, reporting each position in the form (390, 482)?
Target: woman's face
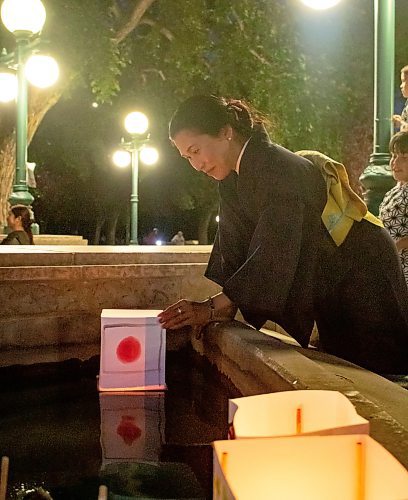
(404, 84)
(212, 155)
(13, 222)
(399, 166)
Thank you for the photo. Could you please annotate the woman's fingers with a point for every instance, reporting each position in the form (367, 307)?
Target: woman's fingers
(171, 311)
(174, 316)
(183, 313)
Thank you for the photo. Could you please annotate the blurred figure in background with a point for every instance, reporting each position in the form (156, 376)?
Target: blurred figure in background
(152, 237)
(401, 120)
(178, 239)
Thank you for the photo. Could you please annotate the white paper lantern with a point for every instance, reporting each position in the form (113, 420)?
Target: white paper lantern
(133, 350)
(294, 412)
(308, 468)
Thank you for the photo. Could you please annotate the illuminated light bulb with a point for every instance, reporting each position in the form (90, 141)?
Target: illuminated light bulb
(149, 155)
(121, 158)
(42, 71)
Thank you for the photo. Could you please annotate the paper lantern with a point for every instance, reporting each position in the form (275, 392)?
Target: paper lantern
(133, 349)
(132, 426)
(345, 467)
(294, 412)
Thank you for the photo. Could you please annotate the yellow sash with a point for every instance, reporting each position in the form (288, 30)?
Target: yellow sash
(344, 206)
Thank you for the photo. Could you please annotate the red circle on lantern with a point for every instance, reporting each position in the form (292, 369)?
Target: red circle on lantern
(128, 350)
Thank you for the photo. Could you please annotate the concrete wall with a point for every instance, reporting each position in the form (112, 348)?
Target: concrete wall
(50, 303)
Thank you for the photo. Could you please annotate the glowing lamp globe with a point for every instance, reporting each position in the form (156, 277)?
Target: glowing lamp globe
(136, 123)
(121, 158)
(8, 87)
(320, 4)
(149, 155)
(41, 71)
(23, 15)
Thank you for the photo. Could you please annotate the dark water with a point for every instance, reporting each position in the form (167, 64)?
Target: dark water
(59, 433)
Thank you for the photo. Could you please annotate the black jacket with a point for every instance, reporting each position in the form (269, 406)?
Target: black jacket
(275, 260)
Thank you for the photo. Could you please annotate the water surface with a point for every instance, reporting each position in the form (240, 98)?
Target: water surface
(59, 433)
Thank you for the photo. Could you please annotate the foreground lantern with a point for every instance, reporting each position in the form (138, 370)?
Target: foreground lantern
(294, 412)
(309, 468)
(133, 350)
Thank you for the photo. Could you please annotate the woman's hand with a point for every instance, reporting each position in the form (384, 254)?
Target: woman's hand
(402, 244)
(396, 119)
(198, 314)
(186, 313)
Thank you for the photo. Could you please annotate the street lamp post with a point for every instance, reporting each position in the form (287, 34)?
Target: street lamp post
(25, 19)
(136, 124)
(377, 178)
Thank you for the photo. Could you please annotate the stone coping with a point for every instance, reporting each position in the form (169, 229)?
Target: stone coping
(71, 255)
(257, 363)
(89, 272)
(55, 239)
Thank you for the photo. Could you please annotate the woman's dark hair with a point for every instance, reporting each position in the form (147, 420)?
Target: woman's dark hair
(23, 212)
(208, 114)
(399, 143)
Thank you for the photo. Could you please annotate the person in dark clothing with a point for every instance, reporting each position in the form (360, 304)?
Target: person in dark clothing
(19, 221)
(274, 255)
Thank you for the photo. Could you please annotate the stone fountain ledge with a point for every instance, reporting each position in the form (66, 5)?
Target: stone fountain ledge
(257, 363)
(77, 255)
(53, 296)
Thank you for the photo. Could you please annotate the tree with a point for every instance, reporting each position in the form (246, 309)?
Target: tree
(161, 68)
(85, 37)
(154, 54)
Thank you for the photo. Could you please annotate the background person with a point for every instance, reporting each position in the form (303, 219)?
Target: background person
(401, 120)
(178, 239)
(272, 254)
(152, 237)
(19, 223)
(394, 208)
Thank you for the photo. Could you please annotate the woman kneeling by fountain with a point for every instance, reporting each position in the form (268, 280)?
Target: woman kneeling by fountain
(295, 244)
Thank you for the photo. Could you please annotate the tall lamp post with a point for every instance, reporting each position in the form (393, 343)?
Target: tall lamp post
(136, 124)
(24, 19)
(377, 178)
